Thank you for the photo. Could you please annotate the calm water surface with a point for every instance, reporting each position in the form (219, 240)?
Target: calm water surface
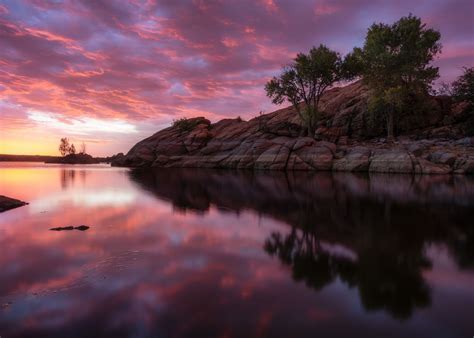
(190, 253)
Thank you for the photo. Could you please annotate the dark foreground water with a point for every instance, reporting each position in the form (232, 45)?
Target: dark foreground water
(189, 253)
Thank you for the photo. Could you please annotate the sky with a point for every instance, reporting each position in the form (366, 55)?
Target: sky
(110, 73)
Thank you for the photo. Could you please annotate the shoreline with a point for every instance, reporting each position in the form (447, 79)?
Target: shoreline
(346, 138)
(435, 157)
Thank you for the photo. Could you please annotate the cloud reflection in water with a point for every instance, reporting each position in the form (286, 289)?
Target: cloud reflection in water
(209, 253)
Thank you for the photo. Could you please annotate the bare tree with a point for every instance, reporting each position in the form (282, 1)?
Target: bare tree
(82, 149)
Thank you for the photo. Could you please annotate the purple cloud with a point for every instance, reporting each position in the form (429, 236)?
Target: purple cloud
(148, 62)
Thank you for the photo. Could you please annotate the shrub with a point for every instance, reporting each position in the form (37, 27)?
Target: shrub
(463, 87)
(185, 124)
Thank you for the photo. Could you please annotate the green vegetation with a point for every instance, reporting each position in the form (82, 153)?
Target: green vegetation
(463, 87)
(184, 124)
(395, 63)
(305, 81)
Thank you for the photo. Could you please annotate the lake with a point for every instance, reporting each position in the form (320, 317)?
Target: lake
(196, 253)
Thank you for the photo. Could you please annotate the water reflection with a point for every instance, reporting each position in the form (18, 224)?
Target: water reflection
(178, 253)
(386, 221)
(386, 277)
(68, 177)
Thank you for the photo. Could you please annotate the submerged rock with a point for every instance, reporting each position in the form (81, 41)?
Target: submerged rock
(62, 228)
(80, 228)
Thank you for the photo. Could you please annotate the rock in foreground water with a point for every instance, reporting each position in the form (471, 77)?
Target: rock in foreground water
(7, 203)
(80, 228)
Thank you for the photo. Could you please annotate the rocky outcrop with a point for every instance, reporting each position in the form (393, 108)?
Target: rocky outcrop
(340, 143)
(7, 203)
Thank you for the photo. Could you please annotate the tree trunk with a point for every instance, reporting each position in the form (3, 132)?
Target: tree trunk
(304, 127)
(311, 122)
(390, 127)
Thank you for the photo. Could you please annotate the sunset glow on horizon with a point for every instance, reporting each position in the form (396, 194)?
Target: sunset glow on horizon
(110, 73)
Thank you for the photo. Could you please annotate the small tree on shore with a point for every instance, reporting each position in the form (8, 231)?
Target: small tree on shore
(395, 63)
(64, 146)
(304, 82)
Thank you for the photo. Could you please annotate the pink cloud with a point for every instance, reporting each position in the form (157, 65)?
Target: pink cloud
(145, 61)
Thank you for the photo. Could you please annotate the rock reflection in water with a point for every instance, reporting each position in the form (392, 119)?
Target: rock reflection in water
(194, 253)
(387, 221)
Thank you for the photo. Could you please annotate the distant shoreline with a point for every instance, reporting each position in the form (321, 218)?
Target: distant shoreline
(49, 159)
(26, 158)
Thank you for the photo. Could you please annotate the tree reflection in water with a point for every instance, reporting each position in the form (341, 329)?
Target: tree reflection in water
(387, 221)
(385, 279)
(68, 177)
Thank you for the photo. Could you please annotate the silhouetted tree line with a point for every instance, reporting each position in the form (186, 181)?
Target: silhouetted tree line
(66, 148)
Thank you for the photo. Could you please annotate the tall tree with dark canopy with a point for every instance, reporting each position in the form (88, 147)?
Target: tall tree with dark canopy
(395, 63)
(304, 82)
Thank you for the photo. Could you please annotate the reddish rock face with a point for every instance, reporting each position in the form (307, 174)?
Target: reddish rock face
(273, 142)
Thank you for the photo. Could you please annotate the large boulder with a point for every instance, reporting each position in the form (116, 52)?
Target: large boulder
(391, 161)
(357, 159)
(426, 167)
(443, 157)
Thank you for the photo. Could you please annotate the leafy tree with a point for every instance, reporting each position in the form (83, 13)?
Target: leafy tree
(64, 146)
(395, 63)
(463, 87)
(304, 82)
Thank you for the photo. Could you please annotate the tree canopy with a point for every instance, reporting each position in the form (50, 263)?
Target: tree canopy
(399, 54)
(65, 148)
(395, 62)
(305, 81)
(463, 87)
